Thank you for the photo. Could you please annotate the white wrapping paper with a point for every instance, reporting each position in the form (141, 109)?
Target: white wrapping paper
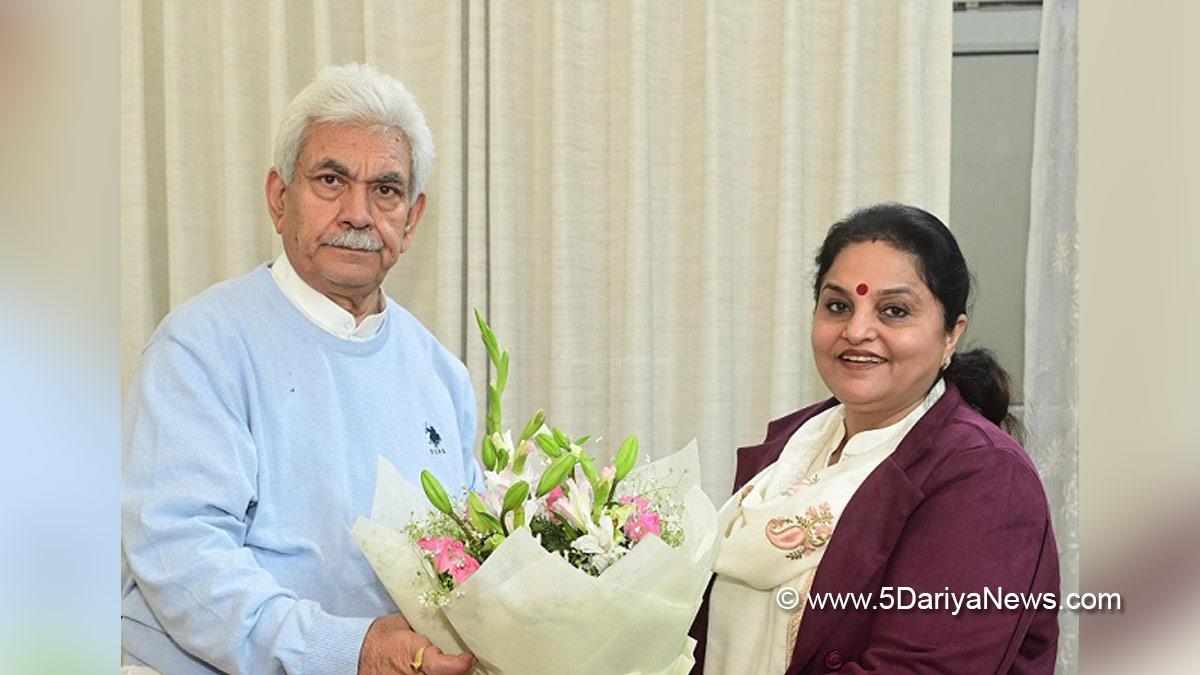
(527, 611)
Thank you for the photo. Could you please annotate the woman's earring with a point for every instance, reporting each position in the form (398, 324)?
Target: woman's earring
(946, 363)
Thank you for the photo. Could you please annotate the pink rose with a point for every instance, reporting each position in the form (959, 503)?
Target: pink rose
(443, 559)
(641, 504)
(455, 560)
(552, 498)
(641, 524)
(434, 546)
(449, 556)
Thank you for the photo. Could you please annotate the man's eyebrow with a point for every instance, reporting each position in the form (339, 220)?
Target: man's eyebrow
(332, 165)
(390, 177)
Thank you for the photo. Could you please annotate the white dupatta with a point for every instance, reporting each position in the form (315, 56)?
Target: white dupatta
(775, 532)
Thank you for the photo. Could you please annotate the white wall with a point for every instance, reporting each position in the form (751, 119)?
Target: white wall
(994, 82)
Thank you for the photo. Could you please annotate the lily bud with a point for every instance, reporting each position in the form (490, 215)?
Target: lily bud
(626, 457)
(435, 493)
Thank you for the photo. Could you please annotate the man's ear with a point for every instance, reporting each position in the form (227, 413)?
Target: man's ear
(275, 189)
(410, 226)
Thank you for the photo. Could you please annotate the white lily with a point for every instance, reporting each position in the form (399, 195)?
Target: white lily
(497, 483)
(503, 441)
(599, 544)
(597, 540)
(576, 504)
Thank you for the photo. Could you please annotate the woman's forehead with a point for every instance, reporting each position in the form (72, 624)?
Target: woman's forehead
(877, 265)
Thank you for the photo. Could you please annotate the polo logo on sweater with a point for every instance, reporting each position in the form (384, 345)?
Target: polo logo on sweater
(435, 441)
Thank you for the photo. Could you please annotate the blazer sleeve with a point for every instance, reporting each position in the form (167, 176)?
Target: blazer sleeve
(983, 527)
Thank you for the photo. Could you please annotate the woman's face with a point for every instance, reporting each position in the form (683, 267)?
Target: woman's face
(878, 335)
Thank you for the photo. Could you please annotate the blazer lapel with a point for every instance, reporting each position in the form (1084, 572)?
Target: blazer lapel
(754, 458)
(864, 538)
(869, 528)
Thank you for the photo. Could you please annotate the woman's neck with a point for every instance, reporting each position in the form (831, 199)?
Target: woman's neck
(859, 421)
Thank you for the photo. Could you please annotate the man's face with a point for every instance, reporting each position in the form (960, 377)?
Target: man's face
(347, 215)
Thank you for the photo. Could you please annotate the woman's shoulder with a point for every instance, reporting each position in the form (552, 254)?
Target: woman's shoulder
(969, 447)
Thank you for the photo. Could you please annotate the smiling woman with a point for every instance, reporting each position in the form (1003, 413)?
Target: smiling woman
(925, 309)
(903, 480)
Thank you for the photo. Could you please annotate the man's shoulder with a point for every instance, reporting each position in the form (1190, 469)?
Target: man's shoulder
(413, 335)
(217, 310)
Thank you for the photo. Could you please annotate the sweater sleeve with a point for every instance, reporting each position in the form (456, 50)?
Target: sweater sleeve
(190, 487)
(984, 527)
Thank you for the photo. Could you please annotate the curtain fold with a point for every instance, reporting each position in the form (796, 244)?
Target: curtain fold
(631, 191)
(1052, 298)
(659, 182)
(204, 86)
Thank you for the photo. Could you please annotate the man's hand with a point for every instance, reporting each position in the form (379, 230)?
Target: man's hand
(391, 645)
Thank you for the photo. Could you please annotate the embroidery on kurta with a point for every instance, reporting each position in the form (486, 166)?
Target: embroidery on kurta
(802, 535)
(802, 482)
(739, 518)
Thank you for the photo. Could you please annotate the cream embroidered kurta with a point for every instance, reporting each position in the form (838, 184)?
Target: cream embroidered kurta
(775, 533)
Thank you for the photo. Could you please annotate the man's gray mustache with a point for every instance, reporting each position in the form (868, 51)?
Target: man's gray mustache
(359, 240)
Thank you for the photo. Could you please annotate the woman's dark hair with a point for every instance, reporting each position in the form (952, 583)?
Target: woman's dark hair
(980, 379)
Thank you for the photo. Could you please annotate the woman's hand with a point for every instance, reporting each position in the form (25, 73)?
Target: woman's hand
(391, 646)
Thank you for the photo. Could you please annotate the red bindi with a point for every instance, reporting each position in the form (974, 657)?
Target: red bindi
(861, 289)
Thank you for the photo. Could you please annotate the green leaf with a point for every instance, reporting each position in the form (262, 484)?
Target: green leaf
(581, 440)
(493, 542)
(474, 503)
(626, 457)
(493, 523)
(502, 372)
(589, 468)
(515, 496)
(548, 446)
(489, 453)
(479, 515)
(601, 500)
(519, 458)
(494, 406)
(555, 474)
(489, 338)
(535, 423)
(435, 493)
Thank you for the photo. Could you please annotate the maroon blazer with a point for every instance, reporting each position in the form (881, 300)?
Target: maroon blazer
(958, 504)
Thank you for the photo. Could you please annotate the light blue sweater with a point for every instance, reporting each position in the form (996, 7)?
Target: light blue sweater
(251, 438)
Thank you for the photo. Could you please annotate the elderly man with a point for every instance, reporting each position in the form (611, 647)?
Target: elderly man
(252, 431)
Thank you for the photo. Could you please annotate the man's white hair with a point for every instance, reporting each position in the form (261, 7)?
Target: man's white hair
(355, 93)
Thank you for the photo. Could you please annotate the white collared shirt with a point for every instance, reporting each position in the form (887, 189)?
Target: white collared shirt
(321, 310)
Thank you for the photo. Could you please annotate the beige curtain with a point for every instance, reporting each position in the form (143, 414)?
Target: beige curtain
(1052, 298)
(659, 180)
(632, 191)
(204, 85)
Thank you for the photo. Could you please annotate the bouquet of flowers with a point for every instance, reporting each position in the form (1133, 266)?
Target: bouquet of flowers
(560, 565)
